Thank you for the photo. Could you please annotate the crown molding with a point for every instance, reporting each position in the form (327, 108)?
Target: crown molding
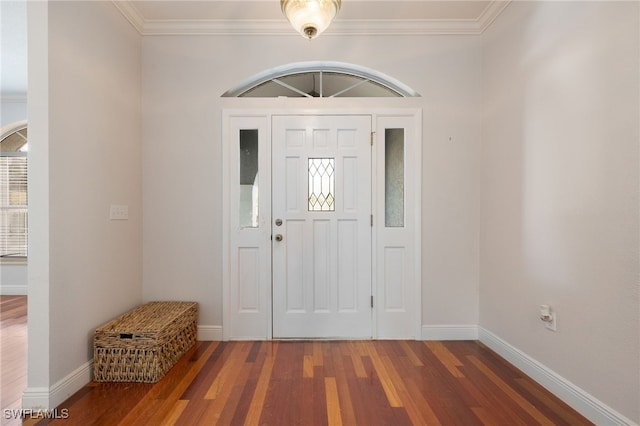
(387, 27)
(490, 13)
(371, 27)
(216, 27)
(131, 13)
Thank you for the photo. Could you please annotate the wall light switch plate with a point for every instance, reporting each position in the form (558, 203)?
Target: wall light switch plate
(119, 212)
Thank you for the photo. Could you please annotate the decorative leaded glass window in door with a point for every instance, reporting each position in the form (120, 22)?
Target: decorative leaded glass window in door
(322, 184)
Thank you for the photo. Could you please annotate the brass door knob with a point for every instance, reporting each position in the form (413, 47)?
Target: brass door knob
(278, 237)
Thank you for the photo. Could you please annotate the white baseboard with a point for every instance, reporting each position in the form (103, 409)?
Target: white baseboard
(590, 407)
(50, 398)
(449, 332)
(208, 333)
(36, 399)
(13, 290)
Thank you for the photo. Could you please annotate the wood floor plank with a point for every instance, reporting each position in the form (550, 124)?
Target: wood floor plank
(554, 409)
(220, 389)
(352, 350)
(354, 403)
(517, 398)
(342, 373)
(174, 413)
(415, 360)
(257, 402)
(254, 367)
(488, 417)
(446, 357)
(333, 402)
(318, 359)
(194, 412)
(408, 402)
(495, 400)
(483, 405)
(307, 367)
(229, 390)
(371, 394)
(327, 360)
(426, 411)
(230, 408)
(385, 380)
(317, 404)
(201, 382)
(152, 408)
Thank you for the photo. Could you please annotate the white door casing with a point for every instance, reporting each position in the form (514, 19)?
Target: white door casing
(321, 223)
(249, 289)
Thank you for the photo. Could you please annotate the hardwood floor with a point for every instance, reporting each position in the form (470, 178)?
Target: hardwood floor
(325, 383)
(13, 353)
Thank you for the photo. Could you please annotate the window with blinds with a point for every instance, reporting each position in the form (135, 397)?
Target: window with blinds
(13, 196)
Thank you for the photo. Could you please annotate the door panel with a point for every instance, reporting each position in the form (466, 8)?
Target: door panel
(398, 296)
(248, 229)
(321, 176)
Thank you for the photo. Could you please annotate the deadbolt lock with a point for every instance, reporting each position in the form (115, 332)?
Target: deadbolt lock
(278, 222)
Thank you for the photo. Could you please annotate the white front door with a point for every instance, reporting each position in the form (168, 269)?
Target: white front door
(321, 226)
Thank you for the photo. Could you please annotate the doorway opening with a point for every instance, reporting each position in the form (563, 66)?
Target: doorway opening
(321, 224)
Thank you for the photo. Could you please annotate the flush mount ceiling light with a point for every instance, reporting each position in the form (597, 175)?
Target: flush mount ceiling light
(310, 17)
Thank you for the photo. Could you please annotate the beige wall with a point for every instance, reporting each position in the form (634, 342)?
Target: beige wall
(559, 222)
(183, 78)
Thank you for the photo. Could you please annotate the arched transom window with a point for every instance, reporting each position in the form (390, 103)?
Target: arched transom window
(321, 80)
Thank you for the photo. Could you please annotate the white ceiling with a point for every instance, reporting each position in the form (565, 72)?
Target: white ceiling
(152, 17)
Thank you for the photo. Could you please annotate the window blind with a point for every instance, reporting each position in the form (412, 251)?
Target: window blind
(13, 205)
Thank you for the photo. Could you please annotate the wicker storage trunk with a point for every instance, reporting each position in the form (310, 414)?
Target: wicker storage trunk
(143, 344)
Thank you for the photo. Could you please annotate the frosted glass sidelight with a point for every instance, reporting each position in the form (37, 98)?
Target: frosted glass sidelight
(322, 185)
(394, 178)
(248, 178)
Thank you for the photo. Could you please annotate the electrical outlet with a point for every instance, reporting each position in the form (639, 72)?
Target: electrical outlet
(553, 323)
(118, 212)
